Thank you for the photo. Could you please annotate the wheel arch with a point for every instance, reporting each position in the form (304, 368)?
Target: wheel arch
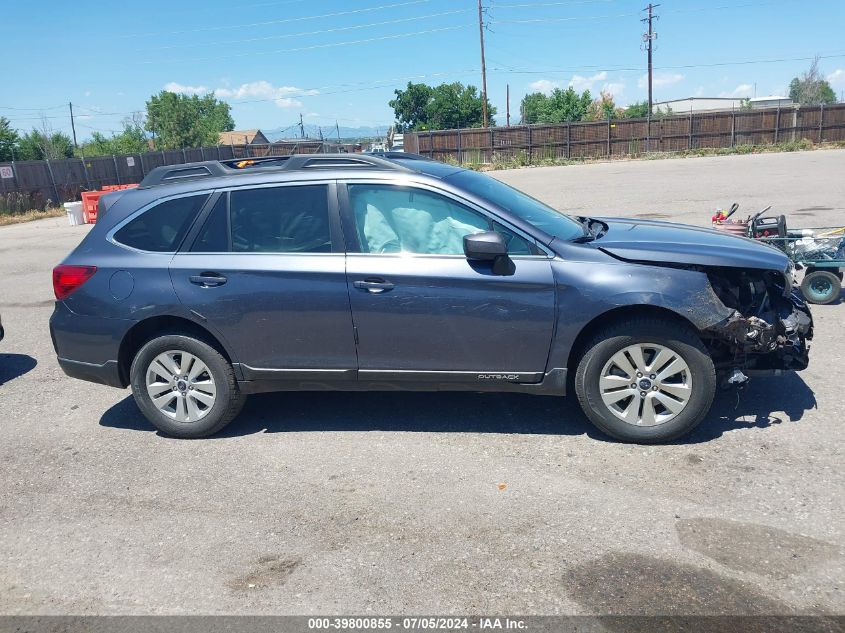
(152, 327)
(617, 315)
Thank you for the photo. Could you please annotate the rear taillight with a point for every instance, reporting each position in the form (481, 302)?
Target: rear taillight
(68, 279)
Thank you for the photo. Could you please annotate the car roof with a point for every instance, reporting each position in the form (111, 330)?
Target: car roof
(286, 168)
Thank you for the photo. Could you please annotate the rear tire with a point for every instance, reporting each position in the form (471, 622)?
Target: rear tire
(646, 381)
(184, 387)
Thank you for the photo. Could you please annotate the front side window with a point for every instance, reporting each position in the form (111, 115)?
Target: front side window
(403, 220)
(160, 229)
(293, 219)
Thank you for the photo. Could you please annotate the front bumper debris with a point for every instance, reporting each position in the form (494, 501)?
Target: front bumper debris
(778, 342)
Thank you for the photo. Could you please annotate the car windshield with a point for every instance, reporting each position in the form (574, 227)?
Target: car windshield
(521, 205)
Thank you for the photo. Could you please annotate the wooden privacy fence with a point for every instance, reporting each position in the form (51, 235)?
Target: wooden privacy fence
(38, 181)
(630, 137)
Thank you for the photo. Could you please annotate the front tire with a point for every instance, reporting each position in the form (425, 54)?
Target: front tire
(184, 387)
(646, 381)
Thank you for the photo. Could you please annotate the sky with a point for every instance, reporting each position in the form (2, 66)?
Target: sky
(340, 60)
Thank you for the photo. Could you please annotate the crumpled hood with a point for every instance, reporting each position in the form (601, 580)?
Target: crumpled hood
(666, 242)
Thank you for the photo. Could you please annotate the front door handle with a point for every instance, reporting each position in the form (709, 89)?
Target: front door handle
(208, 280)
(373, 285)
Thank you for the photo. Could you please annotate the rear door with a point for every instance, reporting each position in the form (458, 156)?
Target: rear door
(266, 271)
(425, 313)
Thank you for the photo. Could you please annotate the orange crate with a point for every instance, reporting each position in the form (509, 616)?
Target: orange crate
(91, 200)
(90, 203)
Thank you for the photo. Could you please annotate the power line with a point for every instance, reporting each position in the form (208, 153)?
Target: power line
(612, 68)
(510, 70)
(569, 19)
(307, 33)
(310, 48)
(615, 16)
(228, 27)
(32, 109)
(530, 5)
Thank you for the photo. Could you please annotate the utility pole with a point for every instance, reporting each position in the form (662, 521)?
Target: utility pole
(483, 66)
(649, 38)
(72, 125)
(508, 100)
(301, 127)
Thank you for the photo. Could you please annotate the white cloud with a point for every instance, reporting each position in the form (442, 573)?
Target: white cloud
(579, 83)
(742, 90)
(185, 90)
(837, 77)
(87, 93)
(614, 88)
(282, 96)
(660, 79)
(543, 85)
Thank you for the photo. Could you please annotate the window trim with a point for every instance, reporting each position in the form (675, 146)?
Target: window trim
(208, 193)
(335, 230)
(353, 245)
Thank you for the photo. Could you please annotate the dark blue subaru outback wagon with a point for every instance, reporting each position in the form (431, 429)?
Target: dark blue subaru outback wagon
(214, 280)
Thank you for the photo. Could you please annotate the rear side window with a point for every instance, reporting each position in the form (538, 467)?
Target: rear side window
(293, 219)
(161, 228)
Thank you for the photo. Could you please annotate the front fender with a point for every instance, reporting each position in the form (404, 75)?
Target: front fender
(588, 290)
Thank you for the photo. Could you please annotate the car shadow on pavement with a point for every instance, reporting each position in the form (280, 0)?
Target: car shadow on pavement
(305, 411)
(765, 402)
(14, 366)
(441, 412)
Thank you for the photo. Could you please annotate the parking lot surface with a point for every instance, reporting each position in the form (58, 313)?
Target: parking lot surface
(399, 503)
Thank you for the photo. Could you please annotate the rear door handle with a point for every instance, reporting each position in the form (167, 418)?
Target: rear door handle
(373, 286)
(208, 280)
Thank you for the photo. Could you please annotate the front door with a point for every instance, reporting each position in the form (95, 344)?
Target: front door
(425, 313)
(266, 271)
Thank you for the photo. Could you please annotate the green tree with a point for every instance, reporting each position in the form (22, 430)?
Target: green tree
(533, 107)
(811, 89)
(180, 121)
(559, 106)
(410, 107)
(454, 106)
(44, 143)
(568, 105)
(603, 108)
(8, 140)
(636, 110)
(443, 107)
(131, 140)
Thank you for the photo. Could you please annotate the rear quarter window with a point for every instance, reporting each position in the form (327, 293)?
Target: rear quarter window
(160, 229)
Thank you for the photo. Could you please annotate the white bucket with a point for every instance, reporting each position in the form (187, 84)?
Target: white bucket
(75, 216)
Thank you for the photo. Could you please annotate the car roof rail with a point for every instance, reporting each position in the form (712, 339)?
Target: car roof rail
(169, 174)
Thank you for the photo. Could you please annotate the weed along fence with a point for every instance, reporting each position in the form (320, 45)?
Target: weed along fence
(630, 137)
(32, 184)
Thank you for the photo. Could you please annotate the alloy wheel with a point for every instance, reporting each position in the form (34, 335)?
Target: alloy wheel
(181, 386)
(646, 384)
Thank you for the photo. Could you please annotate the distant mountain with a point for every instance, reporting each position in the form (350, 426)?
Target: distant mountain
(329, 132)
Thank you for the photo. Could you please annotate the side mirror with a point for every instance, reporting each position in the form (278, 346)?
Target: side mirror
(487, 246)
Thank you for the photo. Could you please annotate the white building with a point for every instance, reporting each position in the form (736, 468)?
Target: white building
(715, 104)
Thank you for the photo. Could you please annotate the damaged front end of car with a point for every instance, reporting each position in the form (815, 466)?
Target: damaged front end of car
(769, 328)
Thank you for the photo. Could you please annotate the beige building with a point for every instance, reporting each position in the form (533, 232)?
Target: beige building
(242, 137)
